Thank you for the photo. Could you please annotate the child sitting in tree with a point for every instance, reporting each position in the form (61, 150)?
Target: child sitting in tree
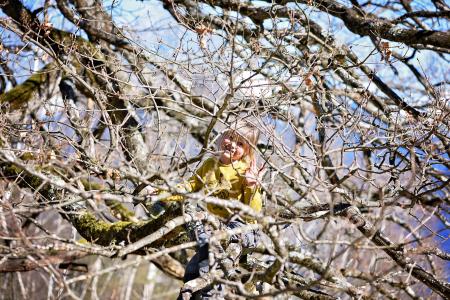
(232, 175)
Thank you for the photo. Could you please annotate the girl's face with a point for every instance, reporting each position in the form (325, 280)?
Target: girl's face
(233, 148)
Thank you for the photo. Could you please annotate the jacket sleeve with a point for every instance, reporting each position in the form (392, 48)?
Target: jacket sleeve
(194, 184)
(252, 197)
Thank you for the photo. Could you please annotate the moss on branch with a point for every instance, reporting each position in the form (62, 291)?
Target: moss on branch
(101, 232)
(22, 177)
(97, 231)
(105, 234)
(68, 43)
(21, 94)
(119, 210)
(90, 185)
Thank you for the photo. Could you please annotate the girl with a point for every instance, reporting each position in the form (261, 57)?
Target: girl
(231, 175)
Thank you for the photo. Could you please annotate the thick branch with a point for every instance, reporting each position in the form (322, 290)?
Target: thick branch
(396, 252)
(28, 264)
(371, 25)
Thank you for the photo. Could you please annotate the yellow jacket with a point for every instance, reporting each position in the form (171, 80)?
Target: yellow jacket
(222, 181)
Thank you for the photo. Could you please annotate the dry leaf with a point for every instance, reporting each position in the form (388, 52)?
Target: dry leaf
(340, 58)
(387, 56)
(202, 43)
(255, 45)
(115, 175)
(386, 51)
(47, 26)
(308, 81)
(52, 155)
(97, 197)
(202, 29)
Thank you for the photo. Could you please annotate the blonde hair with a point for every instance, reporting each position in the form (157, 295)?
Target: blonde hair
(246, 132)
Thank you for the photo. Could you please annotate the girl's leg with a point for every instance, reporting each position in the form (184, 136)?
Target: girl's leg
(192, 269)
(202, 238)
(238, 243)
(198, 266)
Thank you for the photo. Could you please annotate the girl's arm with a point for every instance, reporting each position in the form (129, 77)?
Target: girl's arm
(253, 175)
(252, 187)
(195, 183)
(252, 197)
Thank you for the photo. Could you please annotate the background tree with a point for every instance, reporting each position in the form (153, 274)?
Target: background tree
(99, 100)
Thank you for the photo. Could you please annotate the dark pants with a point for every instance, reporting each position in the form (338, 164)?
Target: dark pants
(199, 263)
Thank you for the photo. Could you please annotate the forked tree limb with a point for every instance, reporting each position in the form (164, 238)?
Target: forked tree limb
(30, 263)
(370, 24)
(396, 252)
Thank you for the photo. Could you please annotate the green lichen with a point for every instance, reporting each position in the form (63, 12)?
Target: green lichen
(52, 251)
(90, 185)
(103, 233)
(21, 94)
(70, 42)
(120, 211)
(34, 181)
(24, 179)
(28, 156)
(12, 170)
(83, 241)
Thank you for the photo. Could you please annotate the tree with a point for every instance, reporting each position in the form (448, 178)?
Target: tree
(350, 96)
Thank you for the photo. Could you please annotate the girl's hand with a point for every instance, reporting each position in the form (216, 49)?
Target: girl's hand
(149, 191)
(253, 175)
